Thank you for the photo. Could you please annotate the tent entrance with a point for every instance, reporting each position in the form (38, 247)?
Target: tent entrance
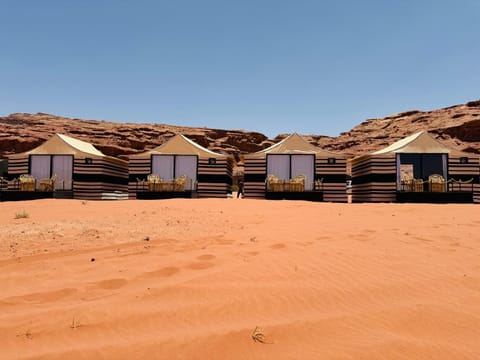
(46, 166)
(420, 167)
(170, 167)
(288, 166)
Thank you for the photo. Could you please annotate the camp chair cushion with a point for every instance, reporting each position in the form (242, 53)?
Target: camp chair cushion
(27, 182)
(436, 183)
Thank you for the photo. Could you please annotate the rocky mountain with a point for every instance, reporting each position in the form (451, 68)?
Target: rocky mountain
(21, 132)
(457, 126)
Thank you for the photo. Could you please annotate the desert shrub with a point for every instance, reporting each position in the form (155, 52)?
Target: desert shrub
(21, 215)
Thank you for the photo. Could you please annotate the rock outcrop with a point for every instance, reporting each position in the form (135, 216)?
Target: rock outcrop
(457, 126)
(22, 132)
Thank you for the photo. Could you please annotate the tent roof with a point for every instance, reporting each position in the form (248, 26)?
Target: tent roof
(294, 144)
(180, 145)
(62, 145)
(420, 142)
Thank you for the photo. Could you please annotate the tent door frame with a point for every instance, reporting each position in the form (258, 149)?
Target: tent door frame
(51, 166)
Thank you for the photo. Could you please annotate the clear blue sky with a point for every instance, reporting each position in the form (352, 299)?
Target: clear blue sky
(273, 66)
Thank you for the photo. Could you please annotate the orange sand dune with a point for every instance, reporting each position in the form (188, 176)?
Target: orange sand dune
(192, 279)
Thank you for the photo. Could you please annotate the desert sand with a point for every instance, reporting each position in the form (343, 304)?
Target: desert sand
(193, 278)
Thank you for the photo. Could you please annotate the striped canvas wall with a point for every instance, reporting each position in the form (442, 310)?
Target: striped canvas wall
(90, 180)
(254, 177)
(334, 178)
(213, 180)
(17, 166)
(374, 179)
(466, 171)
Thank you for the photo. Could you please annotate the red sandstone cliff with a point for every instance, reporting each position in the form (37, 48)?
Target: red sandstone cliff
(22, 132)
(457, 126)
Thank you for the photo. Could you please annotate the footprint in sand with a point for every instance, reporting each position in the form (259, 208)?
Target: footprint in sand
(361, 237)
(203, 263)
(40, 297)
(163, 272)
(200, 265)
(111, 284)
(278, 246)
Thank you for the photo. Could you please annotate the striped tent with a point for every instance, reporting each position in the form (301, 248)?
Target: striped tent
(379, 176)
(295, 156)
(209, 174)
(81, 171)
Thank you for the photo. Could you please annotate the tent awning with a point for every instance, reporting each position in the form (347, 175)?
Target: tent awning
(419, 143)
(294, 144)
(180, 145)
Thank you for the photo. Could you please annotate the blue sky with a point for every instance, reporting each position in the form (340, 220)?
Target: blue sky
(312, 67)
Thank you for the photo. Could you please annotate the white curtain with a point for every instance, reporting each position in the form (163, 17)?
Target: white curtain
(445, 166)
(186, 165)
(278, 165)
(304, 165)
(40, 167)
(162, 165)
(62, 166)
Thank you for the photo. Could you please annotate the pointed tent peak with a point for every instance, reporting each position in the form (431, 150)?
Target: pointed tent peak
(80, 145)
(294, 144)
(60, 144)
(420, 142)
(181, 145)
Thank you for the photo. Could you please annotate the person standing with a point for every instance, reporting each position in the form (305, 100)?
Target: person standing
(240, 189)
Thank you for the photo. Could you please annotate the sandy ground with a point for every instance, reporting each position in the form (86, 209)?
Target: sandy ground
(192, 279)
